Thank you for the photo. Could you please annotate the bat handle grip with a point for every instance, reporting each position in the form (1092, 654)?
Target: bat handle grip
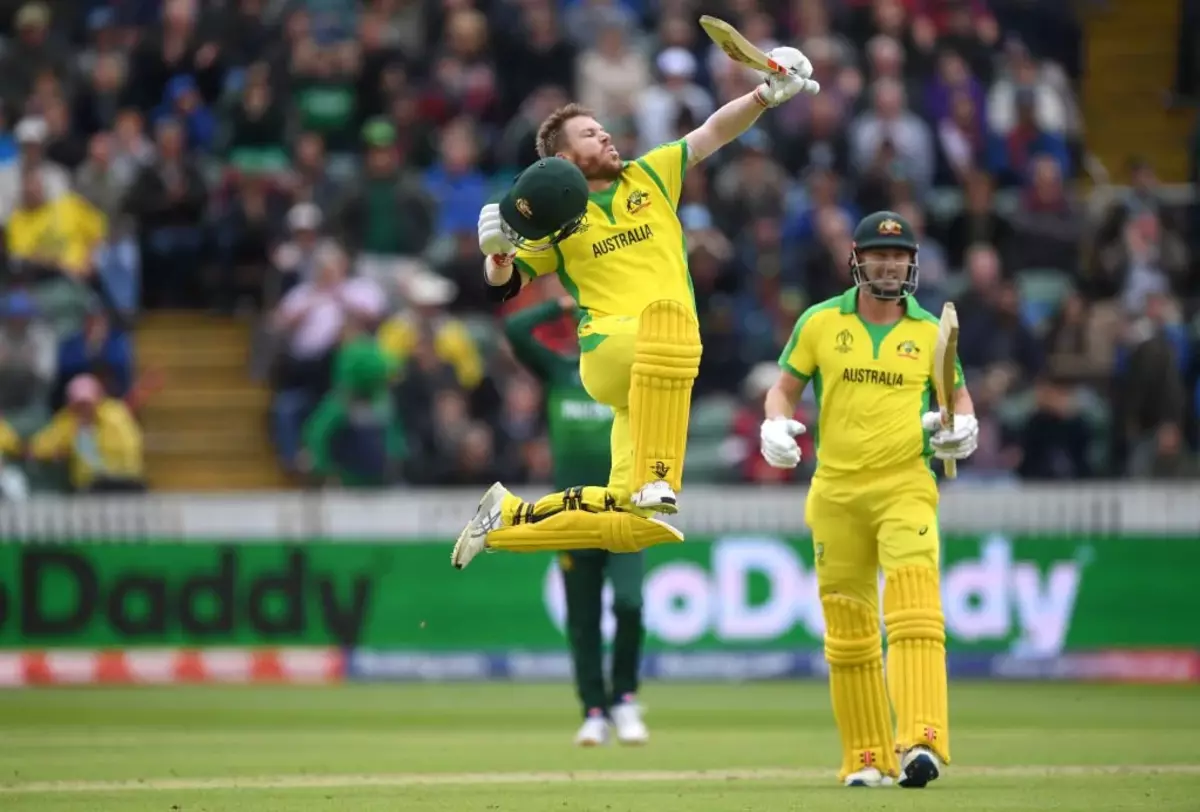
(949, 466)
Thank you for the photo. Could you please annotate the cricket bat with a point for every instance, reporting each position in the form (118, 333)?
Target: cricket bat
(738, 48)
(944, 354)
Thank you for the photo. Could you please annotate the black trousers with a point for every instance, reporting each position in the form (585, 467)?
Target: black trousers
(584, 573)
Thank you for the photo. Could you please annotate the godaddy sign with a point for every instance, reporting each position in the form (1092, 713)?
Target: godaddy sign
(998, 593)
(1017, 595)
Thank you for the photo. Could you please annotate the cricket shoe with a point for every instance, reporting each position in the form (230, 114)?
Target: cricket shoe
(868, 777)
(473, 539)
(627, 719)
(919, 766)
(657, 496)
(594, 730)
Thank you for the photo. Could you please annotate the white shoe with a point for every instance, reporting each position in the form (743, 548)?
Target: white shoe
(868, 777)
(627, 719)
(473, 539)
(593, 732)
(657, 496)
(919, 766)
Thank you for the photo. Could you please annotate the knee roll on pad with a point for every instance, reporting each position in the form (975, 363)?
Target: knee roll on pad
(666, 361)
(860, 705)
(916, 669)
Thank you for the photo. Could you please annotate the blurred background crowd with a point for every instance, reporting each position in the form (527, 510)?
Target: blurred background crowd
(312, 171)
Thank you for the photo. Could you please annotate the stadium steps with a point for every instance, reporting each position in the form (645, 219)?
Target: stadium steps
(1131, 52)
(206, 430)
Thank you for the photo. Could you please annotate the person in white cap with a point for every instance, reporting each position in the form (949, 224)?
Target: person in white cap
(659, 106)
(295, 260)
(31, 135)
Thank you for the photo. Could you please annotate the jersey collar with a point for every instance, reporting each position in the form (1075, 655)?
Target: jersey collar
(850, 304)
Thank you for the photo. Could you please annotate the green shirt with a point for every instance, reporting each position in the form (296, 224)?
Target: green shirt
(580, 428)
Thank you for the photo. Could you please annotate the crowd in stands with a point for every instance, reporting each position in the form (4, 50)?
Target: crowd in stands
(319, 165)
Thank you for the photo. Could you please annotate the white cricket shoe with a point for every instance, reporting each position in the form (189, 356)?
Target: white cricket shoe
(627, 719)
(473, 539)
(868, 777)
(593, 732)
(919, 766)
(657, 496)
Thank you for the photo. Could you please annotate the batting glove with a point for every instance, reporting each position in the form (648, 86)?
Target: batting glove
(492, 241)
(778, 88)
(955, 443)
(777, 436)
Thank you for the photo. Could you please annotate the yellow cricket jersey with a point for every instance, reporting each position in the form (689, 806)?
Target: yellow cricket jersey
(872, 383)
(63, 231)
(630, 250)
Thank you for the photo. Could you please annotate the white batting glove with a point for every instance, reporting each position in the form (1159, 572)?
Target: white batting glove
(779, 88)
(777, 436)
(492, 241)
(955, 443)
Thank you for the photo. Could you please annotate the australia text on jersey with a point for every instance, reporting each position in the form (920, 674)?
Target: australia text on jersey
(623, 240)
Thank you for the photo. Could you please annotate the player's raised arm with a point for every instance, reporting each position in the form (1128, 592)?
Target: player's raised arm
(739, 115)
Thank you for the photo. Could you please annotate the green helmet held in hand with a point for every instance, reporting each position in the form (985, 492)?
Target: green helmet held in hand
(545, 205)
(883, 258)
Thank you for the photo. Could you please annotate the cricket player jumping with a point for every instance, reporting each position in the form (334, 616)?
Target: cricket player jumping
(608, 228)
(873, 502)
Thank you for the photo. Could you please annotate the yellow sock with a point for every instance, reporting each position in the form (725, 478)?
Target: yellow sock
(916, 668)
(666, 360)
(860, 706)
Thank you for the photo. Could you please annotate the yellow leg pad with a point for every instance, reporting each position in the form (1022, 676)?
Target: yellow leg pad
(615, 531)
(515, 511)
(916, 669)
(666, 360)
(860, 704)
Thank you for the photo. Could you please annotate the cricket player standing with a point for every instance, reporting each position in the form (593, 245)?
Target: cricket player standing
(616, 243)
(580, 429)
(873, 502)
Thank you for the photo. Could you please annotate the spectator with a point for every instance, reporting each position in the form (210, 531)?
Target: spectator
(750, 186)
(296, 259)
(354, 438)
(659, 106)
(59, 234)
(456, 182)
(28, 364)
(961, 138)
(385, 218)
(978, 222)
(182, 102)
(173, 48)
(540, 57)
(585, 19)
(311, 181)
(890, 140)
(167, 199)
(116, 258)
(98, 438)
(1022, 85)
(247, 225)
(98, 348)
(64, 146)
(96, 109)
(103, 42)
(1081, 342)
(1012, 154)
(259, 121)
(33, 52)
(1146, 261)
(1150, 394)
(31, 139)
(822, 144)
(611, 74)
(14, 486)
(1055, 440)
(428, 294)
(1048, 227)
(131, 149)
(517, 148)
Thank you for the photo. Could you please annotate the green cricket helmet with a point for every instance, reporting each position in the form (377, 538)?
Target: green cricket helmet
(884, 229)
(545, 205)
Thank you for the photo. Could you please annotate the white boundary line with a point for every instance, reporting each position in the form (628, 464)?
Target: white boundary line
(286, 782)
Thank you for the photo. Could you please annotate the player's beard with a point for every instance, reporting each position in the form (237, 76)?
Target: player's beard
(605, 166)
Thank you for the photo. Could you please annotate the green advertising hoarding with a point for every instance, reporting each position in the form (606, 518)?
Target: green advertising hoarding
(1036, 596)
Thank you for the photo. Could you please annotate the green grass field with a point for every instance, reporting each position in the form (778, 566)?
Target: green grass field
(504, 748)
